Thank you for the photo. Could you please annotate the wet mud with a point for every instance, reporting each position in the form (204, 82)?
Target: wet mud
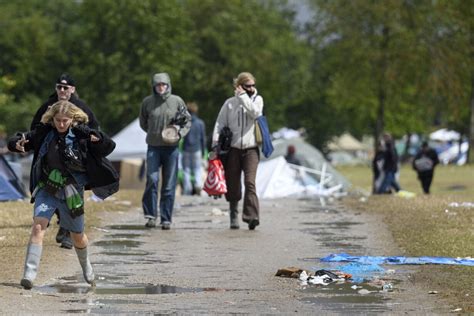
(201, 266)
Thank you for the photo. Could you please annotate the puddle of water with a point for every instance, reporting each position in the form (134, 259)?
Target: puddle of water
(130, 253)
(120, 244)
(118, 289)
(341, 297)
(340, 238)
(141, 261)
(128, 227)
(77, 311)
(207, 221)
(124, 236)
(320, 210)
(332, 224)
(342, 245)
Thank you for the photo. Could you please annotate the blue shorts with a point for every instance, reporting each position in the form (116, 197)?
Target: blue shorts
(46, 204)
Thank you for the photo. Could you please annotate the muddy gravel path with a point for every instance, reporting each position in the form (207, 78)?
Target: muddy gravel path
(200, 266)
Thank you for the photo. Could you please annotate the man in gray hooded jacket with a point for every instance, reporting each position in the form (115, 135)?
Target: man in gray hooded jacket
(160, 113)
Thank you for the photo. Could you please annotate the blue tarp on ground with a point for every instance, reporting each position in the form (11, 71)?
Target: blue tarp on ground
(344, 257)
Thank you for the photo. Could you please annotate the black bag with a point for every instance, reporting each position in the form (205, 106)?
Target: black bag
(225, 140)
(74, 156)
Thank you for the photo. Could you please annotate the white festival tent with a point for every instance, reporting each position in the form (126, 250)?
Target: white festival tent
(278, 179)
(130, 143)
(275, 177)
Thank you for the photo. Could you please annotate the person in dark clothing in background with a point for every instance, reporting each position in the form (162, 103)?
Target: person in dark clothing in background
(291, 156)
(65, 89)
(390, 166)
(424, 163)
(377, 167)
(194, 147)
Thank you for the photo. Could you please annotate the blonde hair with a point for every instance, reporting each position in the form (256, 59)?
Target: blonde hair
(242, 78)
(66, 108)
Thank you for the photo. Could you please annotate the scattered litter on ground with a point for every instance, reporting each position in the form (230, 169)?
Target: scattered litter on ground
(456, 310)
(320, 277)
(343, 257)
(405, 194)
(363, 272)
(3, 237)
(291, 272)
(433, 292)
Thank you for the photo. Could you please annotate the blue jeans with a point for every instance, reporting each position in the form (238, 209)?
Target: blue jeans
(388, 182)
(165, 157)
(192, 165)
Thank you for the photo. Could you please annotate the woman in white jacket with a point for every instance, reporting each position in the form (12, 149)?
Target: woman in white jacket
(238, 114)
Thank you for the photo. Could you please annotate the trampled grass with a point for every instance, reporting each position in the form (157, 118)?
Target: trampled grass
(429, 225)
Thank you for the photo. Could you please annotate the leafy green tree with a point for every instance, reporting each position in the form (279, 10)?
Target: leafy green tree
(120, 44)
(371, 51)
(253, 36)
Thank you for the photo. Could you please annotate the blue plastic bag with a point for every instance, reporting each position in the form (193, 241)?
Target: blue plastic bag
(267, 146)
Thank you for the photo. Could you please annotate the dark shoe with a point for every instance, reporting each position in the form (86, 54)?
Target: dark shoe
(253, 223)
(27, 284)
(151, 223)
(67, 241)
(60, 235)
(166, 226)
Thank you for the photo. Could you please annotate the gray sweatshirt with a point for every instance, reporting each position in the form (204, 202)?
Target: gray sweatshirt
(157, 111)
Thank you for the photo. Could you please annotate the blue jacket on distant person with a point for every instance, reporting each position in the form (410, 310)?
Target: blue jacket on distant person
(196, 138)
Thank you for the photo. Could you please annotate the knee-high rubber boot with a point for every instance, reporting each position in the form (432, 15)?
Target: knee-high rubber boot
(32, 260)
(86, 265)
(234, 215)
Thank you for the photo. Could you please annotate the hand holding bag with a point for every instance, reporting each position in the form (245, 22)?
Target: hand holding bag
(215, 184)
(266, 140)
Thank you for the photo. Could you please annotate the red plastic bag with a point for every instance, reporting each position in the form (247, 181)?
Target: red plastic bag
(215, 181)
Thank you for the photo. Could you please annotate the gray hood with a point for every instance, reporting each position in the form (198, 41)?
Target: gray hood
(164, 78)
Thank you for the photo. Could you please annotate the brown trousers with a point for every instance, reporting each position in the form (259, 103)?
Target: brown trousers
(245, 160)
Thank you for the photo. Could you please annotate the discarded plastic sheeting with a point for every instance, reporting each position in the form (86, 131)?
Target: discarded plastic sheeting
(361, 271)
(343, 257)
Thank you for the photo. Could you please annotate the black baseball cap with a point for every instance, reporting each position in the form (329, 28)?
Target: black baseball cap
(66, 79)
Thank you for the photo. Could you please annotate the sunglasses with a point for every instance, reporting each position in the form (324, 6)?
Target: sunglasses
(62, 87)
(248, 86)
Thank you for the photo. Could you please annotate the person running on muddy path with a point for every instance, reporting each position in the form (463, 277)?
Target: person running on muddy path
(69, 158)
(65, 89)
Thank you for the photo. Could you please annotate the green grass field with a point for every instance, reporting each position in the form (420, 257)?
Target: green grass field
(428, 225)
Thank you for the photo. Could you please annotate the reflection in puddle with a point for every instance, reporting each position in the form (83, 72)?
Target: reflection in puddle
(207, 221)
(126, 262)
(122, 243)
(124, 236)
(128, 253)
(119, 289)
(322, 210)
(340, 296)
(128, 227)
(332, 224)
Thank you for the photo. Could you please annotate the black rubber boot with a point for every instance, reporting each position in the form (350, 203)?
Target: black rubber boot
(234, 215)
